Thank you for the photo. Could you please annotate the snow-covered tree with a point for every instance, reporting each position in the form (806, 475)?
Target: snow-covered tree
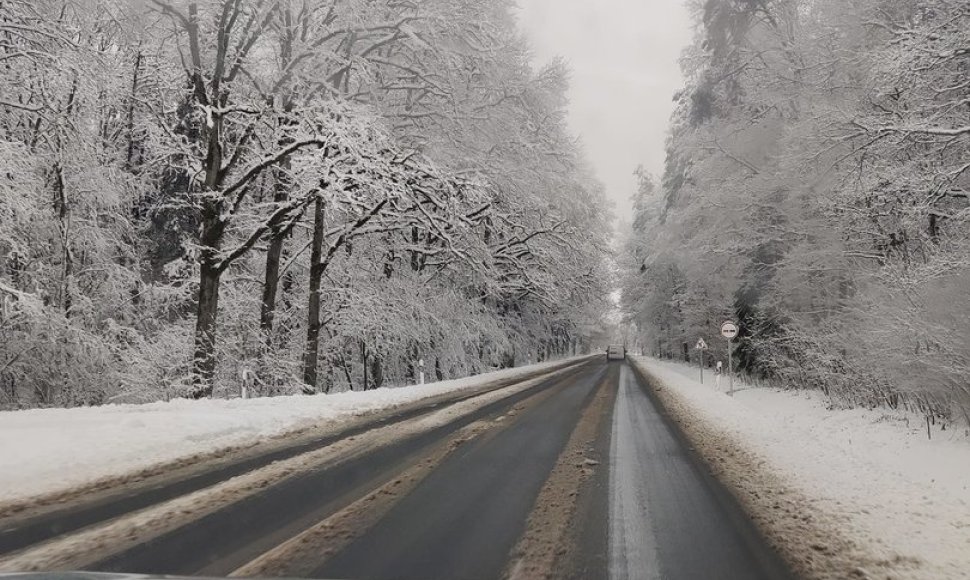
(318, 192)
(816, 191)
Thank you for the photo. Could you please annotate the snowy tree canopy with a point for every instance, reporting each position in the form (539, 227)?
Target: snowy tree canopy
(321, 192)
(816, 191)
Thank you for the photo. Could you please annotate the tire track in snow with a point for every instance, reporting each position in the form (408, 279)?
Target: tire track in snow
(632, 545)
(546, 549)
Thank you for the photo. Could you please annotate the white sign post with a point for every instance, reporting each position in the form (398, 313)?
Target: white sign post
(701, 346)
(421, 371)
(729, 330)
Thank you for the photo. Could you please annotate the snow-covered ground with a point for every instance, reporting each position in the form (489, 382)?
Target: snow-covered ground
(49, 450)
(901, 500)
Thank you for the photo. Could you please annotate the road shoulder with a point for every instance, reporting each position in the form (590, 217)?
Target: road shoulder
(817, 543)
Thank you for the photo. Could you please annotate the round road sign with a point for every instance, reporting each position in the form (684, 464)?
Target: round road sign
(729, 330)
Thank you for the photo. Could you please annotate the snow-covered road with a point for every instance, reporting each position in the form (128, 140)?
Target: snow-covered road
(840, 494)
(632, 545)
(491, 485)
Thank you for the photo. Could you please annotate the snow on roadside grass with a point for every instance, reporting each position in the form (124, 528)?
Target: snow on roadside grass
(50, 450)
(903, 500)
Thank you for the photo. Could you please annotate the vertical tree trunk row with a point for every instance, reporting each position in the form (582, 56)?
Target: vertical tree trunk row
(311, 351)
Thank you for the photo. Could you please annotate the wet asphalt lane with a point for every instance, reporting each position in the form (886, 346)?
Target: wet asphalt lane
(462, 521)
(228, 538)
(665, 516)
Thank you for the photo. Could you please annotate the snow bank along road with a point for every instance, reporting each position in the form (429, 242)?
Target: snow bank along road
(573, 473)
(844, 493)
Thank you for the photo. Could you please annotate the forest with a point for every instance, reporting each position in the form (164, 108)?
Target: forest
(816, 191)
(311, 195)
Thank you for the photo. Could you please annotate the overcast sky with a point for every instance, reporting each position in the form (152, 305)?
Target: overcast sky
(623, 55)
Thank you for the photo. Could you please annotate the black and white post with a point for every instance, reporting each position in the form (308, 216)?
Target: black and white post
(701, 347)
(729, 330)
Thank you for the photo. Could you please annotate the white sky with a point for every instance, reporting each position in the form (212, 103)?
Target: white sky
(623, 55)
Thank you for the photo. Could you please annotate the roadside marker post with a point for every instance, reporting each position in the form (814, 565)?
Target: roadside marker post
(729, 330)
(247, 381)
(701, 346)
(421, 371)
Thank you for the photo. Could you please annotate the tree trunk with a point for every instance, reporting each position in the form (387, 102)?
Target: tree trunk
(130, 155)
(267, 309)
(363, 360)
(204, 361)
(64, 229)
(274, 254)
(311, 351)
(281, 185)
(271, 284)
(412, 367)
(377, 371)
(415, 256)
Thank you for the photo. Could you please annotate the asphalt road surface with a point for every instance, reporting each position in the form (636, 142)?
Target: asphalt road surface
(573, 474)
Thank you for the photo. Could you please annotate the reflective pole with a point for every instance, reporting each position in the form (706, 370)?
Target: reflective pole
(702, 364)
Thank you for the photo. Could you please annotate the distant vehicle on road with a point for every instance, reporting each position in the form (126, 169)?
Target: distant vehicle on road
(616, 352)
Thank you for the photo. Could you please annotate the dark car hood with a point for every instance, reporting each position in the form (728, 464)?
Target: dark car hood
(93, 576)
